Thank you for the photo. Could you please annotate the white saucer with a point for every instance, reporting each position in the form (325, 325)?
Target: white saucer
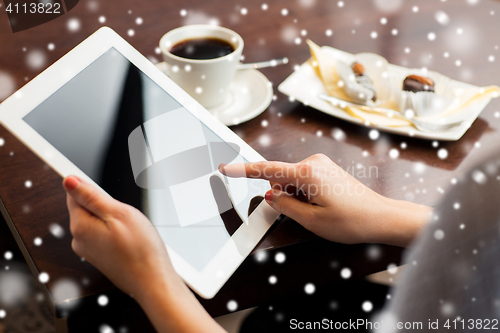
(250, 93)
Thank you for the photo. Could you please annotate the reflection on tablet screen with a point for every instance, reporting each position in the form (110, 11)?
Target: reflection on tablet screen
(145, 149)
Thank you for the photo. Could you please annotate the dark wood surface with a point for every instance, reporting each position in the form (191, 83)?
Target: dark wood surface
(293, 133)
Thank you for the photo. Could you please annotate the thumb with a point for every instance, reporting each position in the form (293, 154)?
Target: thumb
(89, 197)
(288, 205)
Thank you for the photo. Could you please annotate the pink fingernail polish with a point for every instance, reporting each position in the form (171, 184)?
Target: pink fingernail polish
(269, 197)
(221, 168)
(71, 183)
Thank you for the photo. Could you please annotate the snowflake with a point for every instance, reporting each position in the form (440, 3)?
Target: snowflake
(442, 153)
(43, 277)
(74, 24)
(309, 288)
(232, 305)
(36, 59)
(56, 230)
(393, 153)
(374, 134)
(345, 273)
(265, 140)
(103, 300)
(261, 256)
(392, 269)
(388, 6)
(374, 252)
(280, 257)
(447, 309)
(439, 234)
(419, 167)
(367, 306)
(479, 177)
(7, 87)
(273, 279)
(66, 290)
(289, 33)
(338, 134)
(104, 328)
(8, 255)
(442, 17)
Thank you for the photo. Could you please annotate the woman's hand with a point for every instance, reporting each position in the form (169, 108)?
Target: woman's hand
(328, 201)
(124, 245)
(116, 238)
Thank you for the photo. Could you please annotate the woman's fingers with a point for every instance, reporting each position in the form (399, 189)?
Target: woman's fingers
(290, 189)
(287, 204)
(82, 223)
(89, 197)
(279, 172)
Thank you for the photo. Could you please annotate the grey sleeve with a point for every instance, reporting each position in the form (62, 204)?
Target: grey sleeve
(453, 267)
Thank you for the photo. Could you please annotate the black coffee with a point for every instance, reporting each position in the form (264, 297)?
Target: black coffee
(202, 48)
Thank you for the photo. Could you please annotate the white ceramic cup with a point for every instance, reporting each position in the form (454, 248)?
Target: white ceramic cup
(205, 80)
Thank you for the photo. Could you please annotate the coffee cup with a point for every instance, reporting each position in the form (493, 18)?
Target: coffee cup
(202, 60)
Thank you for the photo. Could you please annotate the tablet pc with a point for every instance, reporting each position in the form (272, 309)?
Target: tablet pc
(105, 113)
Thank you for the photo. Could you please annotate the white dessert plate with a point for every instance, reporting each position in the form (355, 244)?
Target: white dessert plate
(250, 93)
(305, 86)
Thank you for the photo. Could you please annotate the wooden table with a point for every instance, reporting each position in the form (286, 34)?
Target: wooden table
(287, 131)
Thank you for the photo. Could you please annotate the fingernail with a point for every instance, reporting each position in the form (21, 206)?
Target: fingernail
(221, 168)
(71, 183)
(269, 197)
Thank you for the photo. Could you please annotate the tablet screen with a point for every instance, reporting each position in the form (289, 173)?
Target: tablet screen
(145, 149)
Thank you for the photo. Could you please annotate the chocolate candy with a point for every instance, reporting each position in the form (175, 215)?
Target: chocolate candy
(362, 79)
(416, 83)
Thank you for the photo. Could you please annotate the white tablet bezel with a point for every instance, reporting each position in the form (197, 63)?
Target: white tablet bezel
(207, 282)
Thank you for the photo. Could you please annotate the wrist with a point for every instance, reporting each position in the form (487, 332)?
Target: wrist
(171, 307)
(401, 221)
(160, 285)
